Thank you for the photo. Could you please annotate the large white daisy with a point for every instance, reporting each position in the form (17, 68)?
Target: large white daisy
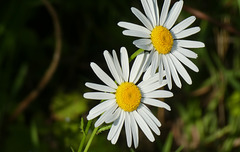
(125, 99)
(159, 36)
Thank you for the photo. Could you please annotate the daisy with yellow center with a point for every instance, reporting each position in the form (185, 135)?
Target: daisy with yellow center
(158, 35)
(125, 100)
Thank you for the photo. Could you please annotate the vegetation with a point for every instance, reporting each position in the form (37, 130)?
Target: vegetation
(41, 103)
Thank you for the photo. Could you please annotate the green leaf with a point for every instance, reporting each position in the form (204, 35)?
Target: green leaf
(168, 144)
(104, 128)
(179, 149)
(72, 149)
(68, 106)
(34, 134)
(19, 79)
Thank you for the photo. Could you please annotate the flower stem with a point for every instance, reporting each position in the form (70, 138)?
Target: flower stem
(135, 54)
(84, 136)
(91, 138)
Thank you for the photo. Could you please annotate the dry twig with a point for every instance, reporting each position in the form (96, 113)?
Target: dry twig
(51, 69)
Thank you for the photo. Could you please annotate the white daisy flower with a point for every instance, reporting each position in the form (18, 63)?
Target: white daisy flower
(159, 36)
(125, 100)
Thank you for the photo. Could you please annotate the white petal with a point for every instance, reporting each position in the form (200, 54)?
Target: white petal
(158, 94)
(181, 70)
(128, 130)
(136, 33)
(149, 121)
(155, 62)
(156, 103)
(164, 12)
(125, 63)
(142, 42)
(152, 87)
(183, 25)
(149, 113)
(139, 73)
(103, 76)
(99, 87)
(116, 136)
(149, 81)
(160, 69)
(112, 67)
(185, 61)
(148, 12)
(114, 116)
(147, 47)
(134, 27)
(189, 43)
(147, 74)
(187, 53)
(187, 32)
(100, 108)
(136, 67)
(105, 116)
(149, 60)
(134, 129)
(98, 95)
(168, 72)
(117, 125)
(173, 72)
(142, 18)
(152, 60)
(173, 14)
(142, 124)
(152, 10)
(155, 3)
(117, 64)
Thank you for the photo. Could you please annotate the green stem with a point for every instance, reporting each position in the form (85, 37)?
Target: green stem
(135, 54)
(84, 136)
(91, 138)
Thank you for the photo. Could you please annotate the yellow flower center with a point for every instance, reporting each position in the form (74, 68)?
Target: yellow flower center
(162, 39)
(128, 96)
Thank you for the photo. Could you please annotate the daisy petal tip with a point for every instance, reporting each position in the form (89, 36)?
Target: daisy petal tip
(120, 23)
(129, 145)
(92, 64)
(105, 52)
(88, 117)
(85, 95)
(152, 139)
(168, 108)
(113, 142)
(180, 86)
(96, 125)
(136, 146)
(122, 49)
(190, 82)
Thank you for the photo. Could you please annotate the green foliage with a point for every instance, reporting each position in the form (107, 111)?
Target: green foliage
(205, 116)
(68, 106)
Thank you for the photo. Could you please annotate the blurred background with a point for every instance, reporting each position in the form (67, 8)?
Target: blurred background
(41, 101)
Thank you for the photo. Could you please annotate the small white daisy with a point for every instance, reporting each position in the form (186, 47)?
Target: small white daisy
(125, 100)
(164, 41)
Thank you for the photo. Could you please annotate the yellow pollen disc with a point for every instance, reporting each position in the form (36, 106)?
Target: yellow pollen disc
(162, 39)
(128, 96)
